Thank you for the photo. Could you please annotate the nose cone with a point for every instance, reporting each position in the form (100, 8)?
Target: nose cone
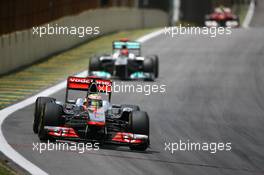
(97, 115)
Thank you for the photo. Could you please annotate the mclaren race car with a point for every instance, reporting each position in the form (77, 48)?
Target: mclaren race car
(92, 118)
(125, 63)
(222, 17)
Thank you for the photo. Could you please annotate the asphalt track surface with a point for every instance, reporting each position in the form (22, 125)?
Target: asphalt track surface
(214, 93)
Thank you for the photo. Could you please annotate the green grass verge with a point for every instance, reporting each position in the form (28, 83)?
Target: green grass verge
(5, 170)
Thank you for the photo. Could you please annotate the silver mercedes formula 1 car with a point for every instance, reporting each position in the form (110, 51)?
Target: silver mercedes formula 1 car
(126, 63)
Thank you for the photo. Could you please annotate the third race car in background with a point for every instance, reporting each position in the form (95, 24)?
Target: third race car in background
(222, 17)
(126, 63)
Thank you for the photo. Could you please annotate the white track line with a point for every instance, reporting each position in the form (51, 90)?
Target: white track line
(6, 149)
(249, 15)
(150, 36)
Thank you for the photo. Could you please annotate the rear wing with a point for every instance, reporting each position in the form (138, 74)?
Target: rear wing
(130, 45)
(89, 84)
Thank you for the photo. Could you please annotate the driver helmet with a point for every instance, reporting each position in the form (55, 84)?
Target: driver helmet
(124, 52)
(94, 100)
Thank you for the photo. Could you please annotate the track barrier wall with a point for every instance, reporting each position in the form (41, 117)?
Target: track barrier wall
(22, 48)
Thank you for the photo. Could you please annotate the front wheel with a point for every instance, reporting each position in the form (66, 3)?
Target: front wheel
(148, 65)
(94, 64)
(139, 124)
(39, 106)
(156, 65)
(51, 117)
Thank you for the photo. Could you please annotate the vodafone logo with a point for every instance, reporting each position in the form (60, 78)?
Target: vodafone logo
(79, 80)
(88, 81)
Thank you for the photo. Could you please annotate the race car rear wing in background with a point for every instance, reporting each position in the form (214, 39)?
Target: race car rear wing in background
(89, 84)
(130, 45)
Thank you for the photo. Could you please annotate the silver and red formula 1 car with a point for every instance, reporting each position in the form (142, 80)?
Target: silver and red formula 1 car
(91, 118)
